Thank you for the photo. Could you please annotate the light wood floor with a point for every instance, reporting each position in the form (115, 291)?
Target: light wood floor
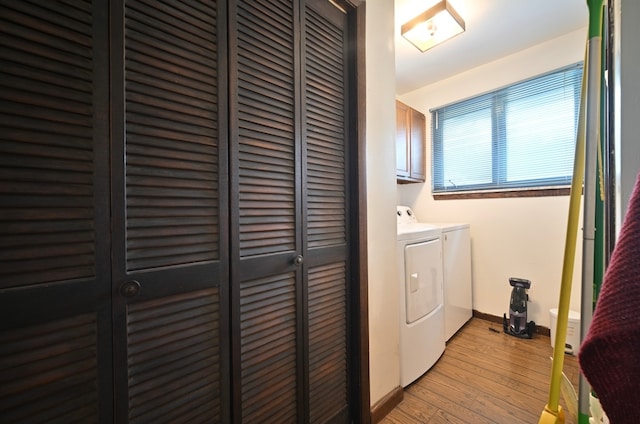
(484, 376)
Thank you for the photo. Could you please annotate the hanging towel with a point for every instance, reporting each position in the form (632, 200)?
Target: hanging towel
(610, 353)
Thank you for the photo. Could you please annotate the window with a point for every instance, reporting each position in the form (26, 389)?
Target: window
(521, 136)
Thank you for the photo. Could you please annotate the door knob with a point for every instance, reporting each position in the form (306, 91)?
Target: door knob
(298, 260)
(130, 288)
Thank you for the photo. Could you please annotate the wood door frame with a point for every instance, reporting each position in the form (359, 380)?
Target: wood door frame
(360, 391)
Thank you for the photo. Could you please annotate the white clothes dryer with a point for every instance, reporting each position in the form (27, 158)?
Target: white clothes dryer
(420, 277)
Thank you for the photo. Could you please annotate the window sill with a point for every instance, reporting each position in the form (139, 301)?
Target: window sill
(542, 192)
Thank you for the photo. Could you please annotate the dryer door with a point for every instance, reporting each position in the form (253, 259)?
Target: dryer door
(423, 278)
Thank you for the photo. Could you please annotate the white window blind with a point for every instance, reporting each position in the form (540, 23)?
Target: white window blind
(521, 136)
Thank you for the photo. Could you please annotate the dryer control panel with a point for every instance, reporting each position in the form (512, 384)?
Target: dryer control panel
(405, 215)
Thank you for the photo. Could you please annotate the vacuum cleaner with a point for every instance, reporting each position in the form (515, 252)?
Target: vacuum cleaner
(517, 325)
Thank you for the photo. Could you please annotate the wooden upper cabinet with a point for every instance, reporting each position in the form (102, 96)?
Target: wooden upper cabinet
(418, 146)
(403, 143)
(410, 144)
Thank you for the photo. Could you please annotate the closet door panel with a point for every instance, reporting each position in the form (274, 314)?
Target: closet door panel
(268, 346)
(266, 128)
(328, 364)
(325, 131)
(54, 263)
(49, 372)
(173, 358)
(170, 270)
(265, 211)
(325, 137)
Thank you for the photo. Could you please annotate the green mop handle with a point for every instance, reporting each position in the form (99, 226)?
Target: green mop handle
(552, 412)
(593, 228)
(589, 116)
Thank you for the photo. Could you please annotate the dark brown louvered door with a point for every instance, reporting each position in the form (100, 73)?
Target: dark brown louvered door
(55, 319)
(264, 211)
(289, 246)
(170, 259)
(117, 199)
(325, 200)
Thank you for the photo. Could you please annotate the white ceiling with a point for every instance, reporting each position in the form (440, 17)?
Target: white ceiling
(494, 29)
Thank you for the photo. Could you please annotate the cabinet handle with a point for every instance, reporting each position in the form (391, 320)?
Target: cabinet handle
(298, 260)
(130, 288)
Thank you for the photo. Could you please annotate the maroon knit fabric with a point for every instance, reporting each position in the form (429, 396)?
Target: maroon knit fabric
(610, 353)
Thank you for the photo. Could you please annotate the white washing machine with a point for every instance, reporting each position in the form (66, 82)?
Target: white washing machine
(420, 276)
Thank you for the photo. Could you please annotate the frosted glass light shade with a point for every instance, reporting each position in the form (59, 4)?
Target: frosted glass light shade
(432, 27)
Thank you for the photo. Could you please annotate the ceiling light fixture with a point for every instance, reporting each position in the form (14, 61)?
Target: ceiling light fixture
(432, 27)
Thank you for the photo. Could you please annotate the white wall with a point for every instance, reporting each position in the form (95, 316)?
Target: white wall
(381, 194)
(511, 237)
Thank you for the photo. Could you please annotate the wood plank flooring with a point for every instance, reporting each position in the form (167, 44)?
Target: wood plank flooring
(484, 376)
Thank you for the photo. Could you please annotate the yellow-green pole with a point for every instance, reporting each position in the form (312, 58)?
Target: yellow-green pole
(589, 99)
(553, 413)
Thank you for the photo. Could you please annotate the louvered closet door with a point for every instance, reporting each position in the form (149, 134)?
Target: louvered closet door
(55, 319)
(265, 212)
(326, 246)
(170, 260)
(288, 212)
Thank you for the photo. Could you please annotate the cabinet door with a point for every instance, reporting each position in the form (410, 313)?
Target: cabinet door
(410, 144)
(55, 323)
(170, 262)
(403, 140)
(418, 143)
